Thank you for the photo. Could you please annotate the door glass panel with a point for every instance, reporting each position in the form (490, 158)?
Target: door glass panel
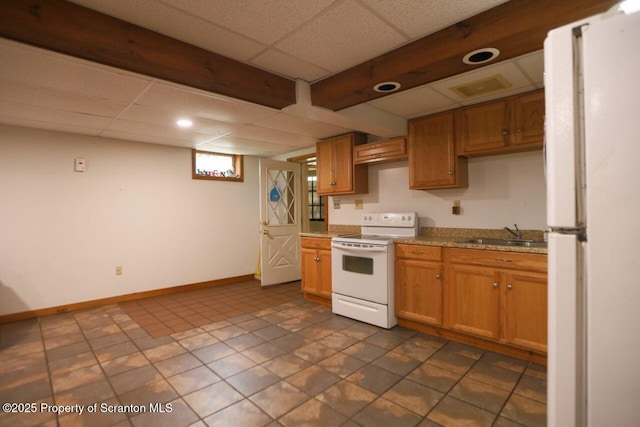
(281, 197)
(356, 264)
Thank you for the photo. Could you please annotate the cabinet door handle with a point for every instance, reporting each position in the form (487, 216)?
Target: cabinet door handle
(505, 131)
(503, 259)
(417, 253)
(316, 259)
(494, 284)
(450, 172)
(519, 130)
(509, 287)
(438, 276)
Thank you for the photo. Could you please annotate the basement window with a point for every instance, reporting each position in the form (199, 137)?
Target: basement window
(216, 166)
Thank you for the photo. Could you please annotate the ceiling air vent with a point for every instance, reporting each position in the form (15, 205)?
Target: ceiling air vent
(481, 87)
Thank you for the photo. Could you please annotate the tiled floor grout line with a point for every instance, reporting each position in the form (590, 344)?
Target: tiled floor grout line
(46, 361)
(93, 352)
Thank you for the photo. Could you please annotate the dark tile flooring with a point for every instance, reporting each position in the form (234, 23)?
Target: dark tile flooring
(290, 363)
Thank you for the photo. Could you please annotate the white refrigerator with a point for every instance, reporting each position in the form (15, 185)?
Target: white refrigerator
(592, 88)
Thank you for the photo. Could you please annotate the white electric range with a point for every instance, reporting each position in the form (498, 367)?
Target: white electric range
(362, 268)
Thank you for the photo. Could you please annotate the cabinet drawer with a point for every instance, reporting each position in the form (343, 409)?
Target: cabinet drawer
(498, 259)
(419, 252)
(391, 149)
(315, 243)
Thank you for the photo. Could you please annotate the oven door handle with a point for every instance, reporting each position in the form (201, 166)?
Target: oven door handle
(338, 245)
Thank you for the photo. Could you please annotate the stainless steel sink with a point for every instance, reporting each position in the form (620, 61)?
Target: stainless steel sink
(505, 242)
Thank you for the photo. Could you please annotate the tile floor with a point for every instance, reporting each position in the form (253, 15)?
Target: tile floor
(290, 362)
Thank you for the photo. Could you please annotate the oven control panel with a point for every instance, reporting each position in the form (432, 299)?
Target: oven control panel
(405, 219)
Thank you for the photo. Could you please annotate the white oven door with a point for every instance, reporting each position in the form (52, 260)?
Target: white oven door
(361, 272)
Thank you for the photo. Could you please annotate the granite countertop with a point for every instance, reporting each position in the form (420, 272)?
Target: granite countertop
(452, 242)
(321, 234)
(450, 237)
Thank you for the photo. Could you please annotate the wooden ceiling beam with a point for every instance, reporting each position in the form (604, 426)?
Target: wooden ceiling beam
(516, 28)
(74, 30)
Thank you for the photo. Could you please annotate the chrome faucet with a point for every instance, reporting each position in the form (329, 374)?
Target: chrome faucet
(516, 233)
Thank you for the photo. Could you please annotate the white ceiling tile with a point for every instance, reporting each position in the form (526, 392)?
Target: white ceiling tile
(50, 98)
(165, 132)
(243, 143)
(281, 63)
(265, 21)
(58, 127)
(419, 18)
(57, 72)
(302, 126)
(414, 101)
(206, 106)
(150, 139)
(212, 147)
(190, 28)
(345, 35)
(272, 135)
(51, 115)
(168, 118)
(533, 66)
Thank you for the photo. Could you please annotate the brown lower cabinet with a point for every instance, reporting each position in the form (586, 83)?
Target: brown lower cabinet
(316, 266)
(496, 296)
(418, 284)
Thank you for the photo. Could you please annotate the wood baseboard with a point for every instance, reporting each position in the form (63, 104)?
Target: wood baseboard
(507, 350)
(120, 298)
(318, 299)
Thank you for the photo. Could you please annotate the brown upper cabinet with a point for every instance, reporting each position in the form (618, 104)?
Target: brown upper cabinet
(508, 125)
(383, 151)
(433, 162)
(337, 173)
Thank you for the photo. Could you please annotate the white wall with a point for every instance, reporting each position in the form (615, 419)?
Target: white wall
(62, 233)
(503, 190)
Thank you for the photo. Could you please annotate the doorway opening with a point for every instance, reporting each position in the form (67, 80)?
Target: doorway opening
(314, 207)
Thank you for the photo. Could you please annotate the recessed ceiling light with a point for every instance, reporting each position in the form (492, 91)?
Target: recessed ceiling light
(184, 123)
(481, 56)
(385, 87)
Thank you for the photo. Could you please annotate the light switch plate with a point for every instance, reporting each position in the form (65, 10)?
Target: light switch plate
(336, 204)
(359, 204)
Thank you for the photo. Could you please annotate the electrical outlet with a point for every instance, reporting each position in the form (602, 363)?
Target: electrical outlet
(455, 210)
(336, 204)
(359, 203)
(119, 270)
(456, 207)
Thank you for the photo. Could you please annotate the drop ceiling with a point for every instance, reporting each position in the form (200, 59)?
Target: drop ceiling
(305, 41)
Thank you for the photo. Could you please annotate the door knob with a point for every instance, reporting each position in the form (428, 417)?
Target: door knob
(265, 231)
(509, 287)
(494, 284)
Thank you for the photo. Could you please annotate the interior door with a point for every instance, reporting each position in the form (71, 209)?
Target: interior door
(280, 222)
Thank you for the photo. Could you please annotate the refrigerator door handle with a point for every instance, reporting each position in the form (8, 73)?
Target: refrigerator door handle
(579, 232)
